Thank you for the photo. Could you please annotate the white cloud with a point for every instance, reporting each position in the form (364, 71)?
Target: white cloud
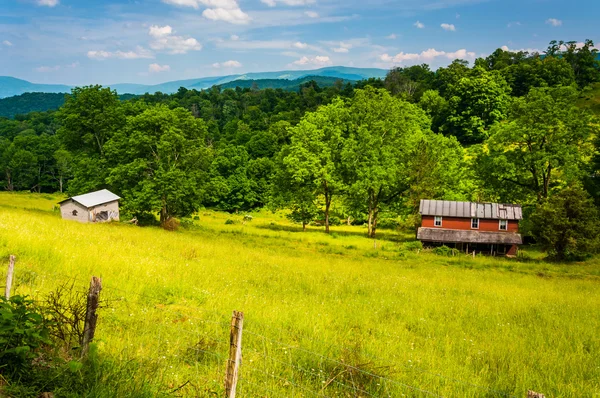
(318, 61)
(448, 26)
(247, 45)
(511, 24)
(164, 40)
(392, 36)
(426, 56)
(48, 3)
(419, 25)
(311, 14)
(156, 68)
(216, 10)
(140, 52)
(45, 69)
(294, 3)
(228, 64)
(341, 50)
(529, 50)
(7, 43)
(233, 15)
(160, 31)
(234, 37)
(73, 65)
(554, 22)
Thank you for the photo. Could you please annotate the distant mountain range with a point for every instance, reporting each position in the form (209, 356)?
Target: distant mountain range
(10, 86)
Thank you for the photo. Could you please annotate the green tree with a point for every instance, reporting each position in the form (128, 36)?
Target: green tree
(476, 103)
(568, 225)
(383, 132)
(89, 117)
(313, 160)
(546, 138)
(159, 162)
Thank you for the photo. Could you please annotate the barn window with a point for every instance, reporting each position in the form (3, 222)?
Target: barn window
(438, 221)
(74, 212)
(475, 223)
(503, 225)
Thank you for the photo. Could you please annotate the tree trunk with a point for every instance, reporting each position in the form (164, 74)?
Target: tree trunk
(373, 211)
(9, 182)
(60, 184)
(374, 228)
(327, 205)
(303, 226)
(370, 220)
(164, 216)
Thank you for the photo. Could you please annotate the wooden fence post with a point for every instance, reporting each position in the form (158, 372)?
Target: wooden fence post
(9, 276)
(533, 394)
(235, 353)
(91, 318)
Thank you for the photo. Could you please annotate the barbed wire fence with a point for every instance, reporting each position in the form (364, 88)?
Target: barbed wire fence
(191, 355)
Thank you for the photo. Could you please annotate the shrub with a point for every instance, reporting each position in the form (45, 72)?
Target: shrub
(444, 251)
(172, 224)
(23, 331)
(567, 225)
(413, 245)
(146, 219)
(229, 221)
(334, 221)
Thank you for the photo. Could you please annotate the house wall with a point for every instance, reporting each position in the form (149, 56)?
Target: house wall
(112, 208)
(67, 208)
(465, 224)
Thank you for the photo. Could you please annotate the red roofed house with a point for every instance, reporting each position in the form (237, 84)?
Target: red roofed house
(489, 228)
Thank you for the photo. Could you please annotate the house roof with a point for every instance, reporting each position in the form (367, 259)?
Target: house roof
(447, 208)
(94, 198)
(460, 236)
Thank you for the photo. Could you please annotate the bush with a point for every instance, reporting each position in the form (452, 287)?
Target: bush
(567, 225)
(229, 221)
(413, 245)
(444, 251)
(147, 219)
(334, 221)
(388, 223)
(23, 331)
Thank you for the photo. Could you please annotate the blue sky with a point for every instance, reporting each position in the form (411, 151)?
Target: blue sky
(152, 41)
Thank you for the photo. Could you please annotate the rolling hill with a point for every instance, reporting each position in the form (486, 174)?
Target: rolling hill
(285, 84)
(10, 86)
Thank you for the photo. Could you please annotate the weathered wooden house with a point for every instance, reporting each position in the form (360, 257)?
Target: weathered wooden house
(99, 206)
(489, 228)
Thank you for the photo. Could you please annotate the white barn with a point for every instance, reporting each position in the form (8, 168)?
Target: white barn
(99, 206)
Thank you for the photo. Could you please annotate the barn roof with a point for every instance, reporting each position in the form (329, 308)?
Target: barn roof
(94, 198)
(460, 236)
(447, 208)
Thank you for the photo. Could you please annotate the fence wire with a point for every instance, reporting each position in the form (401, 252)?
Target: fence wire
(201, 349)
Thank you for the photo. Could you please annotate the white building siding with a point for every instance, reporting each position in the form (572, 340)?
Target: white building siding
(105, 212)
(71, 210)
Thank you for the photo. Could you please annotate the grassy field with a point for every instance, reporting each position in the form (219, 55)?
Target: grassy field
(325, 315)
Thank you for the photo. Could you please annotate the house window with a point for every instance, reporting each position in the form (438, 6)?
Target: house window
(437, 221)
(74, 212)
(475, 223)
(503, 225)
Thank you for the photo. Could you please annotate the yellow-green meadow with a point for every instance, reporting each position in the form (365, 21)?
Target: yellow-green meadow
(325, 315)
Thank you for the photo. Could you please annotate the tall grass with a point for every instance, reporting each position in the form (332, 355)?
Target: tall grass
(338, 315)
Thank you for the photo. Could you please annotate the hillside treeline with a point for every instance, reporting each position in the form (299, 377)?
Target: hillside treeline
(510, 128)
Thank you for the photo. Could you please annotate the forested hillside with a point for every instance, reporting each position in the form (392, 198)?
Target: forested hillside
(36, 102)
(513, 127)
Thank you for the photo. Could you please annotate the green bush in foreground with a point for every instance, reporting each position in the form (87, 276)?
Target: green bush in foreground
(23, 332)
(568, 225)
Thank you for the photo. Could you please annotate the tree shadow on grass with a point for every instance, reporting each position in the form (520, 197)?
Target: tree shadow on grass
(386, 234)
